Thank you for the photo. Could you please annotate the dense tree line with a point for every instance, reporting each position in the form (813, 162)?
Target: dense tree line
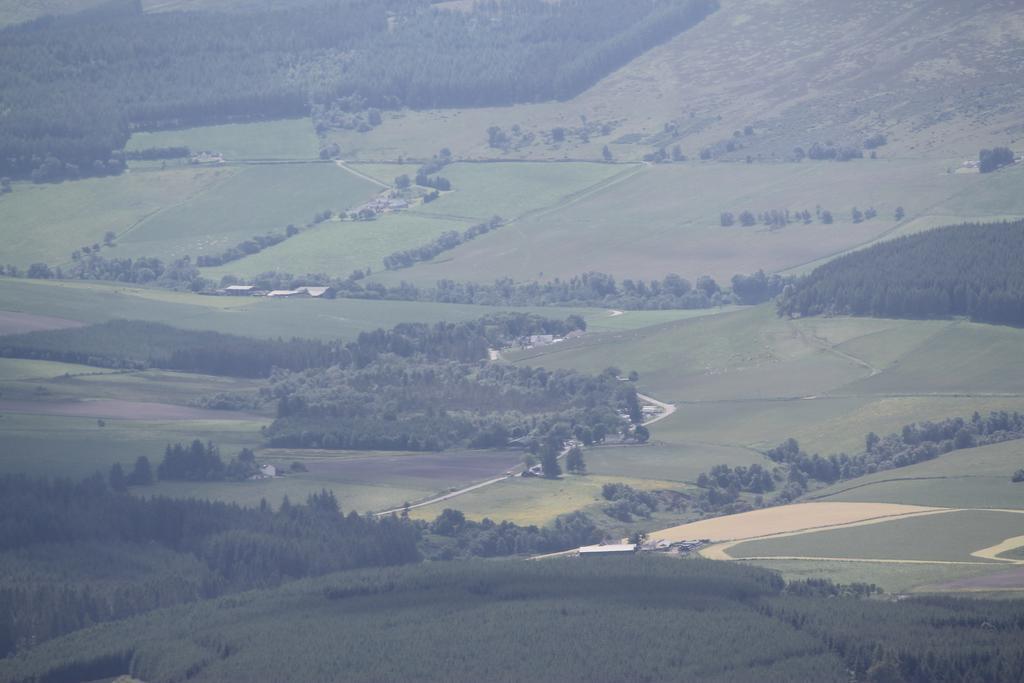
(446, 242)
(780, 218)
(967, 270)
(588, 289)
(137, 344)
(220, 548)
(397, 403)
(74, 87)
(797, 471)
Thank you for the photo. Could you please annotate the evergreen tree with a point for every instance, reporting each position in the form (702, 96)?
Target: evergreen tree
(574, 461)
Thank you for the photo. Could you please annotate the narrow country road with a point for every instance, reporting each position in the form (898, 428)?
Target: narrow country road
(668, 409)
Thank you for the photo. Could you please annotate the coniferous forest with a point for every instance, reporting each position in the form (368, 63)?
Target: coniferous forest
(967, 270)
(73, 88)
(566, 620)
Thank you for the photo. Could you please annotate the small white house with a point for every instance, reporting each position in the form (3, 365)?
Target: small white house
(268, 471)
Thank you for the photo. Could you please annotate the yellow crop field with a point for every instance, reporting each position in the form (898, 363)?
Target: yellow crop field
(788, 519)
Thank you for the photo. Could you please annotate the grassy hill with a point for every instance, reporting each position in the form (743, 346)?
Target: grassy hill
(937, 79)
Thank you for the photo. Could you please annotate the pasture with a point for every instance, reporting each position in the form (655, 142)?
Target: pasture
(945, 537)
(973, 477)
(889, 576)
(746, 354)
(77, 447)
(339, 247)
(253, 200)
(480, 192)
(679, 207)
(48, 383)
(47, 222)
(536, 500)
(513, 190)
(823, 425)
(281, 140)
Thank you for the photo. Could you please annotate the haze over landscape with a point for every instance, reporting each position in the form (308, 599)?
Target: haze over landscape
(518, 340)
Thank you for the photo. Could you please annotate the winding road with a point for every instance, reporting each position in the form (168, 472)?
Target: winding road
(667, 409)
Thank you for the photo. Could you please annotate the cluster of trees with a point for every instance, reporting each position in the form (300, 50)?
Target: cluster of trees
(446, 242)
(775, 218)
(628, 503)
(88, 264)
(204, 549)
(410, 403)
(78, 85)
(967, 270)
(202, 462)
(452, 536)
(994, 159)
(819, 152)
(157, 153)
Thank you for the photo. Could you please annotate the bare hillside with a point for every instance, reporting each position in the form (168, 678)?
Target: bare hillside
(934, 77)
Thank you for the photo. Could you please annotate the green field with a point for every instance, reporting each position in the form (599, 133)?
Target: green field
(17, 369)
(253, 201)
(339, 247)
(890, 577)
(512, 190)
(182, 211)
(679, 206)
(945, 537)
(746, 354)
(77, 447)
(824, 425)
(287, 139)
(481, 192)
(47, 222)
(748, 380)
(31, 380)
(973, 477)
(539, 501)
(260, 316)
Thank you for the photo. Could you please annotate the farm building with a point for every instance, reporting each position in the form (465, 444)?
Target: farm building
(240, 290)
(284, 293)
(268, 471)
(610, 550)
